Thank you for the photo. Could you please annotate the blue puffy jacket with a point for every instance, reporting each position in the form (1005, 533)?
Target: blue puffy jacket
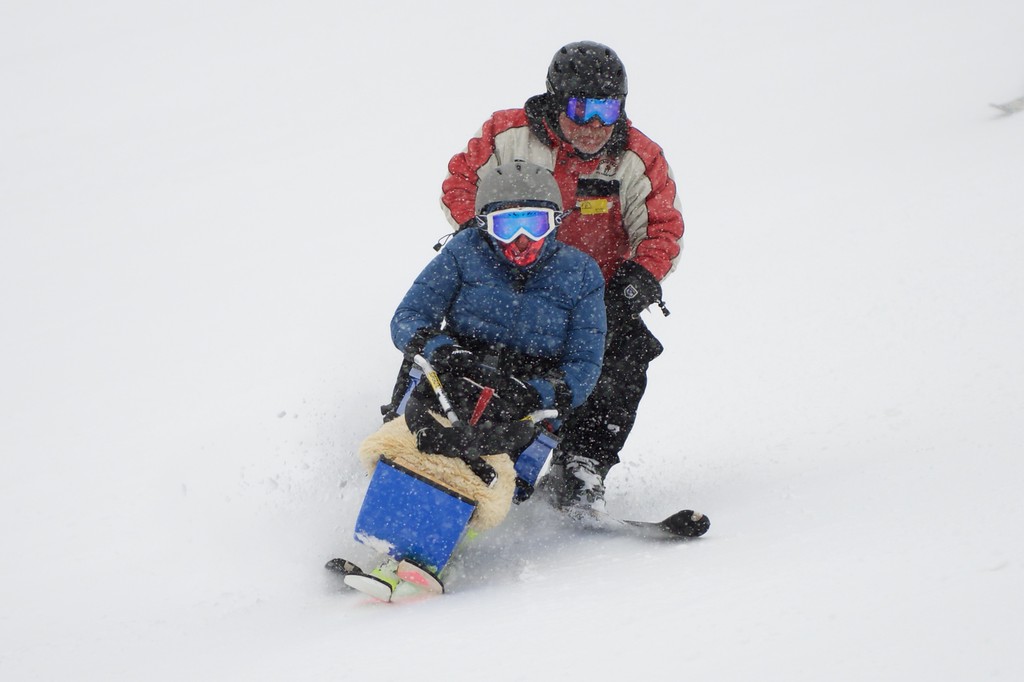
(553, 309)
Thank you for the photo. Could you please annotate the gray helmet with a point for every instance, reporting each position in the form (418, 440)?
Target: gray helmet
(587, 69)
(517, 183)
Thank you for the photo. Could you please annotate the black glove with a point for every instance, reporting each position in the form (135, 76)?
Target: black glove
(469, 442)
(455, 360)
(630, 291)
(419, 340)
(518, 398)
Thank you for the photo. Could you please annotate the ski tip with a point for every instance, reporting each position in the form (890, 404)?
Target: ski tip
(688, 523)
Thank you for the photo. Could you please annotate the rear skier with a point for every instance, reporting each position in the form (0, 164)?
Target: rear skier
(622, 209)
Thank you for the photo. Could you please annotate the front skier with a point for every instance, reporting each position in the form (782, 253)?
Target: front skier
(513, 322)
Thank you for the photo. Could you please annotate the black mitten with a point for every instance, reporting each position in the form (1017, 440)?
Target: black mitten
(518, 398)
(468, 442)
(630, 291)
(453, 359)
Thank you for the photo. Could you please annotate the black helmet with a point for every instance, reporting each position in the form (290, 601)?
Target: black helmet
(587, 69)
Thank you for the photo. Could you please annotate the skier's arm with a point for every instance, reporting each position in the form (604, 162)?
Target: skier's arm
(458, 191)
(426, 304)
(581, 364)
(651, 214)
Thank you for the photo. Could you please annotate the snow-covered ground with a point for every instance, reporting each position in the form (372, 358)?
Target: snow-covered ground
(209, 210)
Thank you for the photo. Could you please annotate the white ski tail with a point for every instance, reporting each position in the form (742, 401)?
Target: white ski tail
(370, 584)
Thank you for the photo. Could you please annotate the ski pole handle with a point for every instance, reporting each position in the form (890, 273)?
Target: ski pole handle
(484, 471)
(435, 383)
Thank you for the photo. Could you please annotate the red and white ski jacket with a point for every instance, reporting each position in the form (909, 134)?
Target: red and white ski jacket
(626, 204)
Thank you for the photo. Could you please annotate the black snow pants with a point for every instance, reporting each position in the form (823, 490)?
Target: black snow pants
(598, 429)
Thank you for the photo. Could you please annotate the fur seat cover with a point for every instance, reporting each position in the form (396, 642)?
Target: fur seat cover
(395, 442)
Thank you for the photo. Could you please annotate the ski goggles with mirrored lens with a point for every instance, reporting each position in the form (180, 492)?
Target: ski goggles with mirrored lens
(535, 223)
(582, 109)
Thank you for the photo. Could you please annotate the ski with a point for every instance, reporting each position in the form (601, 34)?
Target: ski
(1011, 107)
(684, 524)
(355, 577)
(383, 584)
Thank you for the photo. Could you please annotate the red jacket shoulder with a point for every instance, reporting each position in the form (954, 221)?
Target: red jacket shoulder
(643, 146)
(508, 118)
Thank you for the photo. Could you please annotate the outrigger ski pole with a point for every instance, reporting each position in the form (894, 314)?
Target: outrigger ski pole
(481, 468)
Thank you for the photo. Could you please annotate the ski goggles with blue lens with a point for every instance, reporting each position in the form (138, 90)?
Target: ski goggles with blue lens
(582, 109)
(535, 223)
